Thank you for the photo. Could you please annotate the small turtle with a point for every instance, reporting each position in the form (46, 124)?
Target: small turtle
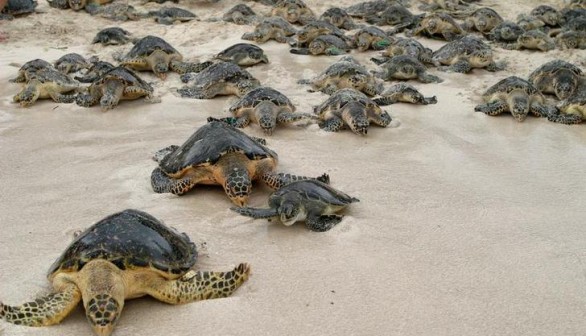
(29, 68)
(405, 46)
(275, 28)
(438, 24)
(371, 37)
(266, 107)
(371, 8)
(396, 15)
(152, 53)
(316, 28)
(351, 108)
(465, 54)
(483, 19)
(533, 39)
(71, 62)
(571, 40)
(549, 15)
(505, 32)
(311, 201)
(529, 22)
(171, 15)
(329, 45)
(95, 71)
(219, 154)
(116, 12)
(113, 36)
(89, 5)
(405, 93)
(515, 95)
(243, 54)
(126, 255)
(558, 77)
(339, 18)
(117, 84)
(345, 73)
(47, 83)
(293, 11)
(240, 14)
(17, 8)
(223, 78)
(571, 110)
(406, 67)
(437, 5)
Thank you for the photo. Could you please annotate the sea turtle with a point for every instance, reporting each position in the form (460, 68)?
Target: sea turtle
(549, 15)
(533, 39)
(405, 46)
(406, 67)
(113, 36)
(505, 32)
(117, 84)
(154, 54)
(339, 18)
(243, 54)
(294, 11)
(118, 11)
(351, 108)
(126, 255)
(71, 62)
(529, 22)
(483, 19)
(29, 68)
(219, 154)
(370, 8)
(345, 73)
(436, 25)
(405, 93)
(223, 78)
(171, 15)
(396, 15)
(515, 95)
(240, 14)
(314, 29)
(311, 201)
(571, 40)
(372, 37)
(16, 8)
(275, 28)
(571, 110)
(443, 5)
(266, 107)
(88, 5)
(59, 4)
(329, 45)
(47, 83)
(95, 71)
(558, 77)
(465, 54)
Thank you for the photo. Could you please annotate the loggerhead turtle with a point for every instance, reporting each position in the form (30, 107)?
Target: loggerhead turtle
(47, 83)
(483, 19)
(223, 78)
(558, 77)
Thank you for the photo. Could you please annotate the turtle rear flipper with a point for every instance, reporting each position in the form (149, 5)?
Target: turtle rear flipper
(322, 223)
(278, 180)
(256, 213)
(195, 286)
(161, 183)
(44, 311)
(300, 51)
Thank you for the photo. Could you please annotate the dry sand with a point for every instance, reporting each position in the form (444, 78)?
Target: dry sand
(467, 225)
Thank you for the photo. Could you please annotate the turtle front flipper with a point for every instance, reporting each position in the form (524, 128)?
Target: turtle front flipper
(286, 117)
(112, 93)
(44, 311)
(539, 110)
(429, 100)
(492, 108)
(462, 66)
(185, 67)
(136, 64)
(354, 115)
(567, 119)
(333, 124)
(195, 286)
(429, 78)
(322, 223)
(256, 213)
(300, 51)
(278, 180)
(29, 94)
(162, 183)
(61, 98)
(384, 101)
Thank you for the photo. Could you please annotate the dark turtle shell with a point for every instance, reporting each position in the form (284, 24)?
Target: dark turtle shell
(511, 83)
(316, 191)
(209, 143)
(223, 71)
(129, 77)
(345, 66)
(263, 93)
(130, 239)
(342, 97)
(148, 44)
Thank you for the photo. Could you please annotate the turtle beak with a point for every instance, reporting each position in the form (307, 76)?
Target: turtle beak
(103, 331)
(265, 59)
(240, 201)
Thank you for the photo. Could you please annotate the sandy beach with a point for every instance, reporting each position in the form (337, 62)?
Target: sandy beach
(467, 224)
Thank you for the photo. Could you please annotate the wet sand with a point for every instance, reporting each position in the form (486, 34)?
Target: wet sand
(467, 224)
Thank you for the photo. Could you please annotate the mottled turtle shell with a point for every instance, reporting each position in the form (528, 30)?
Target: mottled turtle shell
(313, 190)
(128, 76)
(340, 98)
(220, 72)
(552, 67)
(210, 143)
(130, 239)
(344, 66)
(18, 7)
(509, 84)
(510, 28)
(147, 45)
(173, 12)
(260, 94)
(367, 8)
(50, 75)
(246, 48)
(464, 46)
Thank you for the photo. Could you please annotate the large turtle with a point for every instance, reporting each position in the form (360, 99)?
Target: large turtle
(549, 15)
(339, 18)
(345, 73)
(88, 5)
(406, 67)
(515, 95)
(293, 11)
(117, 84)
(219, 154)
(351, 108)
(47, 83)
(311, 201)
(266, 107)
(403, 92)
(275, 28)
(243, 54)
(152, 53)
(558, 77)
(126, 255)
(465, 54)
(223, 78)
(29, 68)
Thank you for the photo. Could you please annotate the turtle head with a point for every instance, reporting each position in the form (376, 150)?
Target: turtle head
(77, 4)
(564, 84)
(266, 114)
(520, 107)
(293, 13)
(161, 68)
(102, 312)
(290, 209)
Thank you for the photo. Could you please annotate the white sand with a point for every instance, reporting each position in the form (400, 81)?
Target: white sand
(467, 225)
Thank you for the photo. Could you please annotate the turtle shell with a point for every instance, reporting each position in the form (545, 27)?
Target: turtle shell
(223, 71)
(340, 98)
(148, 44)
(263, 93)
(464, 46)
(509, 84)
(130, 239)
(245, 48)
(173, 12)
(315, 191)
(554, 66)
(50, 75)
(129, 77)
(345, 66)
(210, 143)
(367, 8)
